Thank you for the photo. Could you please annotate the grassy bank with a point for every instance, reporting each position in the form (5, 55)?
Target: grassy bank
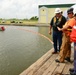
(18, 22)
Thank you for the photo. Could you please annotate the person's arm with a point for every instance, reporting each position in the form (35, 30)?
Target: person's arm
(50, 30)
(64, 28)
(50, 26)
(69, 25)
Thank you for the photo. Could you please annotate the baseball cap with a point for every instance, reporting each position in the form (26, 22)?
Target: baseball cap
(70, 10)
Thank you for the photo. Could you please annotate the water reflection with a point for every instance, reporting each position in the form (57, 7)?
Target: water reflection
(20, 48)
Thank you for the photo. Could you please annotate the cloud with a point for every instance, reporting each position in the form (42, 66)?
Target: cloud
(24, 8)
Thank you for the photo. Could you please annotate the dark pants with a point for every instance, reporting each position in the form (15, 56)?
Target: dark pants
(57, 39)
(75, 56)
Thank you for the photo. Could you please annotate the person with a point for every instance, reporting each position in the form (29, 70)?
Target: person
(65, 52)
(73, 71)
(57, 21)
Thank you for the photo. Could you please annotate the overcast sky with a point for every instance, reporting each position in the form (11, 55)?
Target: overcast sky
(25, 8)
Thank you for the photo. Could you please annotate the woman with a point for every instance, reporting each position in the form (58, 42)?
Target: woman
(65, 51)
(73, 71)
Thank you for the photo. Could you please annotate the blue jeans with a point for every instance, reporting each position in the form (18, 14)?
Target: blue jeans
(57, 39)
(74, 56)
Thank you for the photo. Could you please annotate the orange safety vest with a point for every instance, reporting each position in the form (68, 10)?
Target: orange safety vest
(73, 34)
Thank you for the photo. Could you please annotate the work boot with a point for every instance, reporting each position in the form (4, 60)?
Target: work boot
(57, 60)
(72, 73)
(68, 59)
(54, 52)
(71, 69)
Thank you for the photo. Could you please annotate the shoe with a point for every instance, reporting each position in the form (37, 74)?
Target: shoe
(54, 52)
(71, 69)
(57, 61)
(68, 59)
(72, 73)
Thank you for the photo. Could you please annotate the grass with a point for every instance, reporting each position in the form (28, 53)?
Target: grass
(18, 22)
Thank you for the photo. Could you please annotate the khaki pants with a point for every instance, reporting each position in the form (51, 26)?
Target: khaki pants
(65, 50)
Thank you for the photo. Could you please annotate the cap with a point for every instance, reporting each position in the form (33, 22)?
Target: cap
(58, 10)
(70, 10)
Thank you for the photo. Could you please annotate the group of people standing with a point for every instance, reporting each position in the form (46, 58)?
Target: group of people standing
(62, 28)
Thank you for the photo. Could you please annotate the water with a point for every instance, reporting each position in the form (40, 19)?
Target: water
(21, 46)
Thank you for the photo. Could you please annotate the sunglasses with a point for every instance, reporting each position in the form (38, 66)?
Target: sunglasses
(69, 13)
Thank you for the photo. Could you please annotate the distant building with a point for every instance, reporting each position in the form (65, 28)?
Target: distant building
(46, 12)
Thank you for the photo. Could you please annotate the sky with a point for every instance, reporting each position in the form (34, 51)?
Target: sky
(25, 8)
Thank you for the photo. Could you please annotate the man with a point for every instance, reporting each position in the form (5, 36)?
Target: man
(65, 52)
(57, 21)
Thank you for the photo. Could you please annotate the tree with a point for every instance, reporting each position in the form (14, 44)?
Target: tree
(34, 18)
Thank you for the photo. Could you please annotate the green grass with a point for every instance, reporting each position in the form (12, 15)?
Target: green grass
(19, 22)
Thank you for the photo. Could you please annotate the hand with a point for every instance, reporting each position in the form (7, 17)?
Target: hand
(59, 29)
(50, 32)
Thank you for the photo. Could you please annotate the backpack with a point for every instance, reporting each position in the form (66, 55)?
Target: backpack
(73, 34)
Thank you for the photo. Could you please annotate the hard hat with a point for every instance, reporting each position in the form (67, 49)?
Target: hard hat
(74, 11)
(58, 10)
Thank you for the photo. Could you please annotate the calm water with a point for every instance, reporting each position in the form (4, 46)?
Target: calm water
(20, 47)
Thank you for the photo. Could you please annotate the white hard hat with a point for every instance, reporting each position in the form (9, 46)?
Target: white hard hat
(58, 10)
(74, 11)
